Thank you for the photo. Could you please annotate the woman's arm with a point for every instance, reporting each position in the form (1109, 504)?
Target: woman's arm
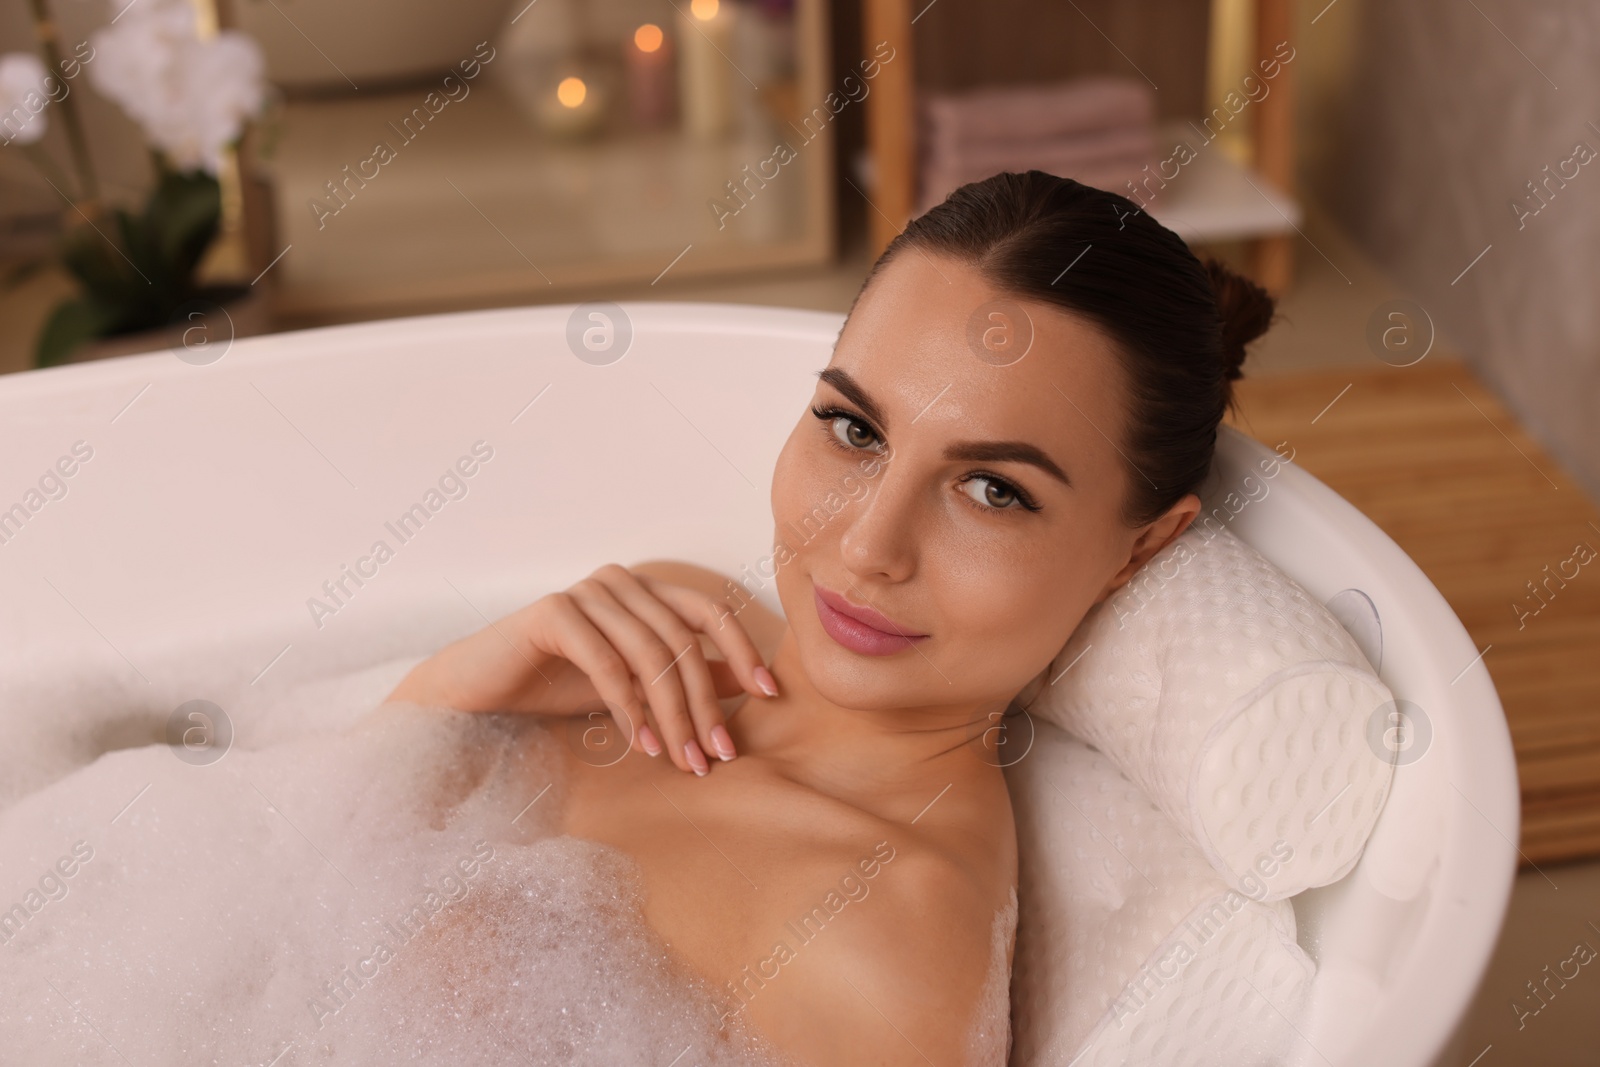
(629, 640)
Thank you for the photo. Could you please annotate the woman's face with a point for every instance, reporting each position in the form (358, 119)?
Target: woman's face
(971, 502)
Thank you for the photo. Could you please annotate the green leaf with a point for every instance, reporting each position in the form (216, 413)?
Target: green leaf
(159, 280)
(72, 324)
(106, 278)
(135, 270)
(88, 255)
(184, 215)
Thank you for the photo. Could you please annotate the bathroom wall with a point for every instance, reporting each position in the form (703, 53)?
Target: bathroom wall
(1425, 122)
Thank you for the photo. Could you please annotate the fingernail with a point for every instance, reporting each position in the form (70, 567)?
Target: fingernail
(723, 740)
(697, 759)
(767, 683)
(647, 738)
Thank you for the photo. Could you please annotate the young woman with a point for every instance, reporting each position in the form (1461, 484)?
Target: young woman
(1016, 416)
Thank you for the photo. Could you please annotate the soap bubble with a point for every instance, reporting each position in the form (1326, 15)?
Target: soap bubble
(354, 896)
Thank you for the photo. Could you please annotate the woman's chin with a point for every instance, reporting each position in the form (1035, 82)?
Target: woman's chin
(863, 682)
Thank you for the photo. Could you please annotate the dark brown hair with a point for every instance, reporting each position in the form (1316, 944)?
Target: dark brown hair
(1180, 326)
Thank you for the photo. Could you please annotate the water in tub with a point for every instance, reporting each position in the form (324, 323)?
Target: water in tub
(393, 892)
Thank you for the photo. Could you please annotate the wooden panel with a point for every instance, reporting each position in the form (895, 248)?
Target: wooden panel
(891, 127)
(1273, 136)
(1432, 457)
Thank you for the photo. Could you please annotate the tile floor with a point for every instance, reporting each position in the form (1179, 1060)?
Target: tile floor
(1554, 923)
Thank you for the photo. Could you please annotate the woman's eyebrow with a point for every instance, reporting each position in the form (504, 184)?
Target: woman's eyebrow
(853, 392)
(1006, 452)
(970, 451)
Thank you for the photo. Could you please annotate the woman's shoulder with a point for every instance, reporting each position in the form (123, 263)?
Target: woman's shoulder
(914, 967)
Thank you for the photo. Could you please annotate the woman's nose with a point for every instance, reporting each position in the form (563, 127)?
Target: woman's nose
(879, 538)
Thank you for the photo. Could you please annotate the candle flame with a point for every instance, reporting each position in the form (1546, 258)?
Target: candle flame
(571, 91)
(704, 10)
(647, 38)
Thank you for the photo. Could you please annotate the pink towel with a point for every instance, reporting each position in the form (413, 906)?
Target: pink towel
(937, 182)
(1059, 155)
(1034, 112)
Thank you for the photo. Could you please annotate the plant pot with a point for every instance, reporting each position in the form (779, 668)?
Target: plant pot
(208, 326)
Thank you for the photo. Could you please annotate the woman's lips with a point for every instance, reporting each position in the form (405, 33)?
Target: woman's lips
(861, 629)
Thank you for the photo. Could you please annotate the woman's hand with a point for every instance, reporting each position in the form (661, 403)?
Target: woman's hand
(623, 638)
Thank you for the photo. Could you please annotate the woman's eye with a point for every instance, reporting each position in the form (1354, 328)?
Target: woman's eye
(854, 432)
(992, 492)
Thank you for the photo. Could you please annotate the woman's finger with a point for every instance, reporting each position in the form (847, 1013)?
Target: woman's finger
(647, 738)
(692, 667)
(655, 662)
(717, 620)
(576, 639)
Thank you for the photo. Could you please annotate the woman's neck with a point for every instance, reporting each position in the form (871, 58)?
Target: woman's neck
(872, 758)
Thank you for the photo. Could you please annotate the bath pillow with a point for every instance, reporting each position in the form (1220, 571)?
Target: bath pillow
(1238, 704)
(1130, 948)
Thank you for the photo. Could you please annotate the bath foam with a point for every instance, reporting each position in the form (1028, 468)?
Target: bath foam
(393, 892)
(1131, 949)
(65, 708)
(989, 1042)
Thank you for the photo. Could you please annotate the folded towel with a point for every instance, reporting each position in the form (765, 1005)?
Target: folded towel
(938, 182)
(1033, 112)
(1096, 130)
(1059, 154)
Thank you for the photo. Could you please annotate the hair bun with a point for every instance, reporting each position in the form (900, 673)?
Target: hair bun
(1245, 310)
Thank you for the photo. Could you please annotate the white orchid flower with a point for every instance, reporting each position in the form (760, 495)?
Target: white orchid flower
(23, 98)
(191, 97)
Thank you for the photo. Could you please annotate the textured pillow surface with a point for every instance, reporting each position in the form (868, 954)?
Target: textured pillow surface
(1130, 948)
(1239, 705)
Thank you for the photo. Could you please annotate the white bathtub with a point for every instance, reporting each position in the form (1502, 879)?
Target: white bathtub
(183, 558)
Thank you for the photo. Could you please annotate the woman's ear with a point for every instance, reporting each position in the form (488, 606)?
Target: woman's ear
(1152, 539)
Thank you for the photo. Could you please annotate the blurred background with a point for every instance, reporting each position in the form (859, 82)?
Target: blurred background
(1411, 179)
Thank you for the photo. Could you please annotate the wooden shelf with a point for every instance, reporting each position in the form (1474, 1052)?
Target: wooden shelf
(1216, 202)
(1216, 198)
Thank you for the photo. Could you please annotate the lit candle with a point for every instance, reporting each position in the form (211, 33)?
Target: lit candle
(575, 107)
(649, 55)
(705, 73)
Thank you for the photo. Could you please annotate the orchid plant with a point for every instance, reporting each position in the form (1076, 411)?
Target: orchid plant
(191, 96)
